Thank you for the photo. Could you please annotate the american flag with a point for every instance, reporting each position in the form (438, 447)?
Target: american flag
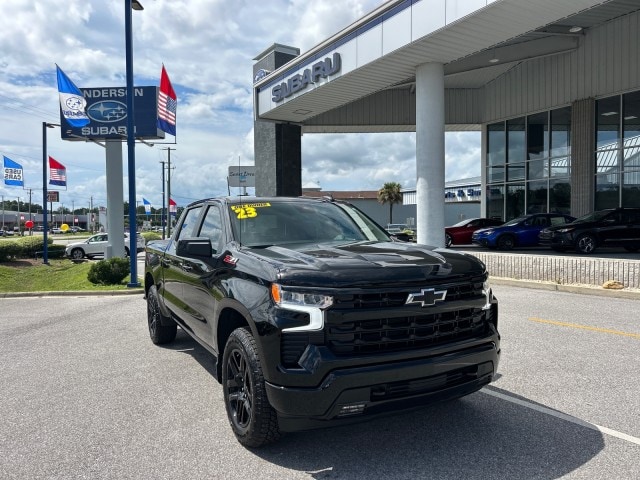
(173, 207)
(57, 173)
(167, 105)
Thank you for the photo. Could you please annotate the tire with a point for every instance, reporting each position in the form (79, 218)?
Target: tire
(586, 244)
(253, 421)
(161, 328)
(77, 254)
(506, 242)
(448, 241)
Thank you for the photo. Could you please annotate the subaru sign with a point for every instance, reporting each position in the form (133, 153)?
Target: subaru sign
(107, 111)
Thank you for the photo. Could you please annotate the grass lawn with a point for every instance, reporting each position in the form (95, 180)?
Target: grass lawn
(60, 275)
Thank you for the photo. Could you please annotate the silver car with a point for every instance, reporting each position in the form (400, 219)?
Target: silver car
(96, 245)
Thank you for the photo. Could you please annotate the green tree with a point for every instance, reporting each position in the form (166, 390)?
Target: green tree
(390, 193)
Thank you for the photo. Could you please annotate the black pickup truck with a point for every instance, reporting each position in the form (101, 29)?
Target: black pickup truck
(315, 316)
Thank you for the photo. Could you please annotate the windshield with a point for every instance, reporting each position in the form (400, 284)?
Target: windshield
(515, 221)
(593, 216)
(289, 222)
(463, 222)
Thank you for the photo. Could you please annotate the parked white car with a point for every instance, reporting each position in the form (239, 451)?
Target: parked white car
(96, 245)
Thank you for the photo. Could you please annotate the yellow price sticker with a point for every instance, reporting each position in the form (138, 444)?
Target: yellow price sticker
(248, 210)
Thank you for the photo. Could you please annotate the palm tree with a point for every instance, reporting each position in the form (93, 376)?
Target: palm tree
(390, 193)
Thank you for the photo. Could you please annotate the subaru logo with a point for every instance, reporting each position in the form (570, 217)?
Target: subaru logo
(427, 297)
(260, 74)
(107, 111)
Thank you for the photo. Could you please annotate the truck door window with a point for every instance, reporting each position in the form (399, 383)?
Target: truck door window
(187, 228)
(212, 227)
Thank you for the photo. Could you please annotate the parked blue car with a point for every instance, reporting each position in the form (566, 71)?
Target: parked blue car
(519, 232)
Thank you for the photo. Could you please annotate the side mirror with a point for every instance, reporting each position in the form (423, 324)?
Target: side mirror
(196, 247)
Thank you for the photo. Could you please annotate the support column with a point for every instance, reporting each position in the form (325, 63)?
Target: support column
(583, 167)
(277, 147)
(115, 202)
(430, 154)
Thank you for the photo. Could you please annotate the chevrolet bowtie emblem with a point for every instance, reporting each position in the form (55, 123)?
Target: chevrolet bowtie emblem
(427, 297)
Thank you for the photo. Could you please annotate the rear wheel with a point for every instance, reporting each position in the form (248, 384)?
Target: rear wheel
(253, 421)
(161, 328)
(77, 254)
(448, 241)
(586, 243)
(506, 242)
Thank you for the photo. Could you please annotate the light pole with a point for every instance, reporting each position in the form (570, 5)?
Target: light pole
(45, 231)
(131, 141)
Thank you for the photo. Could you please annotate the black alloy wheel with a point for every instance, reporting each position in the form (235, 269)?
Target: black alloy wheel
(252, 419)
(586, 243)
(161, 328)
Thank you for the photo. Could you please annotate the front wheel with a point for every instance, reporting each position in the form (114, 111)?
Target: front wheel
(161, 328)
(253, 421)
(586, 243)
(77, 254)
(506, 242)
(448, 241)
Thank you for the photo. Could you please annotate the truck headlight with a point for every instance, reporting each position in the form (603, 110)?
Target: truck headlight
(312, 304)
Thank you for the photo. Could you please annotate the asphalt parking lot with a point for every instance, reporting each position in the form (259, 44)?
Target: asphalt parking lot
(85, 394)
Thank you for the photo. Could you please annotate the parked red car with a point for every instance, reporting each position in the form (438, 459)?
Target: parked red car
(460, 233)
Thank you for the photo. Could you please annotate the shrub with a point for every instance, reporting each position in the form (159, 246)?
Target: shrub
(109, 272)
(150, 236)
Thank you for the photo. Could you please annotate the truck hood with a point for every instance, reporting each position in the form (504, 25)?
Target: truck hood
(367, 263)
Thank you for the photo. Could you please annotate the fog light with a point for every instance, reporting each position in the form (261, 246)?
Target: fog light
(351, 409)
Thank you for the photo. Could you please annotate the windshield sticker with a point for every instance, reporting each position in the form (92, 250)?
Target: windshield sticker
(248, 210)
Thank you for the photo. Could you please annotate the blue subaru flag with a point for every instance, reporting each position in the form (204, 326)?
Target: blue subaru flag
(13, 173)
(147, 206)
(72, 103)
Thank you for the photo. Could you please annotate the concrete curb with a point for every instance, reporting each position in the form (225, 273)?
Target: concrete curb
(632, 294)
(73, 293)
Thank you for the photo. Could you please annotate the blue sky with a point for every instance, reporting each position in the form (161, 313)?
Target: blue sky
(207, 47)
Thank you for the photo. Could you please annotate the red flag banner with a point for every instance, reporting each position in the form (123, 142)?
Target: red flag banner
(57, 173)
(167, 105)
(173, 208)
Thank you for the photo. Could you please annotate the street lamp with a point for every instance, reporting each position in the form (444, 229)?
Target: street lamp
(45, 249)
(131, 145)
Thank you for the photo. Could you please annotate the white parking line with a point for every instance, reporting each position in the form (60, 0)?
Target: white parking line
(563, 416)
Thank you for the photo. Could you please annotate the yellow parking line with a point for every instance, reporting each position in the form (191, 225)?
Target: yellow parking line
(585, 327)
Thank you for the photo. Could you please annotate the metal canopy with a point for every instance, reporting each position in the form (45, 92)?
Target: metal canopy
(508, 32)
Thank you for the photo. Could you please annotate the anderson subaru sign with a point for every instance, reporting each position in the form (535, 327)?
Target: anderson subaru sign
(107, 111)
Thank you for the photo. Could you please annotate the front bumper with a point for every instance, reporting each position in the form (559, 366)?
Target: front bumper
(357, 393)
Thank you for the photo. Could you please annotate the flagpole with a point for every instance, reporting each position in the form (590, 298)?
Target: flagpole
(131, 145)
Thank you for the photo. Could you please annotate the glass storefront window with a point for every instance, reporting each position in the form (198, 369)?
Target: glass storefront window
(561, 167)
(515, 140)
(537, 169)
(607, 123)
(560, 196)
(561, 132)
(495, 201)
(631, 119)
(515, 201)
(496, 174)
(515, 171)
(607, 191)
(631, 189)
(537, 136)
(631, 158)
(496, 140)
(537, 197)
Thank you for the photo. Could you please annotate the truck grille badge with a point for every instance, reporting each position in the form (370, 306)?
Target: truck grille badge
(427, 297)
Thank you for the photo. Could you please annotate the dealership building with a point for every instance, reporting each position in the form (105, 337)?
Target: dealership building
(553, 87)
